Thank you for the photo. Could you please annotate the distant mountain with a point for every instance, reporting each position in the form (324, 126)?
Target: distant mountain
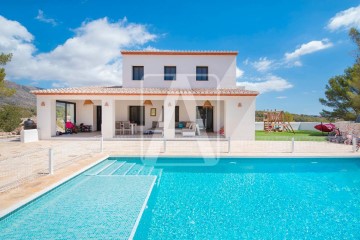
(22, 97)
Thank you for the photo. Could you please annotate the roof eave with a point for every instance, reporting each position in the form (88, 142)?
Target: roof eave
(202, 53)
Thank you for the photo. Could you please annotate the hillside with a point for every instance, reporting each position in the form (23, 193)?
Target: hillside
(22, 97)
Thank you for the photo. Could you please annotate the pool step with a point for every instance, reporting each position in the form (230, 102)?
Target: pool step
(157, 172)
(112, 168)
(135, 170)
(100, 167)
(146, 170)
(123, 168)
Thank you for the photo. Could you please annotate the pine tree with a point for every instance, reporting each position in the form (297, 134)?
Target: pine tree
(342, 93)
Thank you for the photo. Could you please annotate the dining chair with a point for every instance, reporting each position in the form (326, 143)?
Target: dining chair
(126, 127)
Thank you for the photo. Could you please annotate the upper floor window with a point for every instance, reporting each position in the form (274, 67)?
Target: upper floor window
(138, 72)
(201, 73)
(169, 73)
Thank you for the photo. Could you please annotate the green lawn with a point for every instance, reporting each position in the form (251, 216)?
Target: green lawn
(286, 136)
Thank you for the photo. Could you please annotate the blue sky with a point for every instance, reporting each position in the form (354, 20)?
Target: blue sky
(287, 49)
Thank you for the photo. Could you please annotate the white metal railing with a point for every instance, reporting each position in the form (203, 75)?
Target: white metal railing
(206, 146)
(19, 168)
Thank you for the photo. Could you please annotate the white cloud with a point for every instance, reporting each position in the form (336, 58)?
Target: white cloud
(41, 17)
(297, 63)
(268, 83)
(150, 48)
(308, 48)
(263, 64)
(246, 61)
(239, 72)
(281, 97)
(345, 19)
(91, 57)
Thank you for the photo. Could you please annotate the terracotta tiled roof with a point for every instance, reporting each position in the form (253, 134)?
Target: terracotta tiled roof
(145, 91)
(176, 52)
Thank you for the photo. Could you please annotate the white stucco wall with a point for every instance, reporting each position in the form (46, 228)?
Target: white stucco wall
(108, 116)
(240, 119)
(84, 113)
(221, 70)
(46, 117)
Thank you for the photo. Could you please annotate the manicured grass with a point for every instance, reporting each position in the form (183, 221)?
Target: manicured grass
(286, 136)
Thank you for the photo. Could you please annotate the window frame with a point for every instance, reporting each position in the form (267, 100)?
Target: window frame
(66, 103)
(200, 76)
(169, 74)
(142, 118)
(133, 73)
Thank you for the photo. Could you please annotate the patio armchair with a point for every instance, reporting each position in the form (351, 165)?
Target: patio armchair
(70, 128)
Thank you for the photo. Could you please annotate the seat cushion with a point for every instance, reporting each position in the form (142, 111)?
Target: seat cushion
(188, 133)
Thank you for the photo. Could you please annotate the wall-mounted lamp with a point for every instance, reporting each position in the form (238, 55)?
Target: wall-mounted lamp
(106, 104)
(207, 104)
(169, 104)
(148, 102)
(239, 105)
(42, 104)
(88, 102)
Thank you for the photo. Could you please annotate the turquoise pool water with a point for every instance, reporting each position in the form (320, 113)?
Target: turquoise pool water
(230, 198)
(256, 199)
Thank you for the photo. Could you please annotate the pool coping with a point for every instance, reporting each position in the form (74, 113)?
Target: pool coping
(237, 156)
(33, 197)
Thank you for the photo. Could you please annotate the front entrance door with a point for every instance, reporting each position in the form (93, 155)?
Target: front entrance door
(98, 118)
(204, 117)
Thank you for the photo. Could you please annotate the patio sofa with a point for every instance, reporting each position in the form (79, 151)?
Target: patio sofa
(180, 127)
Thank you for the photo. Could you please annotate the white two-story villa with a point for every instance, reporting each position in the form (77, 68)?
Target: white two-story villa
(168, 93)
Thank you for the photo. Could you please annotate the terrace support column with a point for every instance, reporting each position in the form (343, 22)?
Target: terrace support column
(46, 117)
(169, 117)
(240, 118)
(108, 118)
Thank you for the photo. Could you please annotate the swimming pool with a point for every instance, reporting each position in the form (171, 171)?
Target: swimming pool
(195, 198)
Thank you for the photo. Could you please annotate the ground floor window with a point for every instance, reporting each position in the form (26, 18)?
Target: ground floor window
(65, 111)
(137, 115)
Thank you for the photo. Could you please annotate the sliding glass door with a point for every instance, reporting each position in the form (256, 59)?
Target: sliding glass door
(204, 118)
(65, 111)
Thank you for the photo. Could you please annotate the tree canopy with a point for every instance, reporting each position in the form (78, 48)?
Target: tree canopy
(4, 91)
(342, 93)
(10, 118)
